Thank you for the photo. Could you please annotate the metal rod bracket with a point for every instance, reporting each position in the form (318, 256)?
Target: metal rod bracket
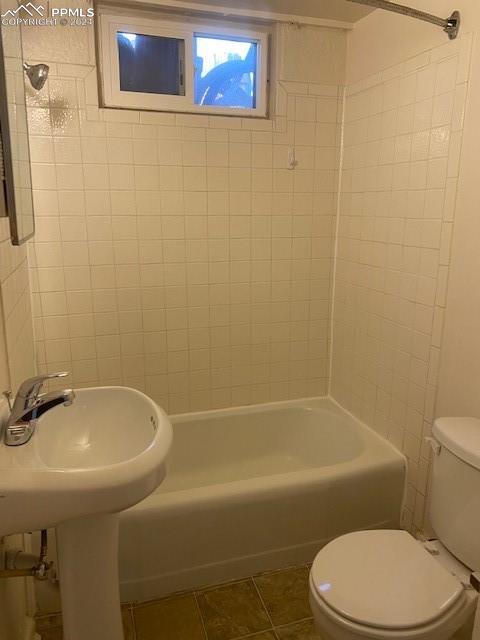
(453, 25)
(450, 25)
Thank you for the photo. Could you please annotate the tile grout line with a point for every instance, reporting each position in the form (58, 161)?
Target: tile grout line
(249, 635)
(195, 595)
(255, 633)
(290, 624)
(131, 610)
(338, 206)
(264, 605)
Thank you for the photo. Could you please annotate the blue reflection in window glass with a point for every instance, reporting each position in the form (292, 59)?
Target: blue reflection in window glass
(225, 72)
(151, 64)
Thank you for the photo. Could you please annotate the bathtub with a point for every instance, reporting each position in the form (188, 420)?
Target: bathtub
(254, 489)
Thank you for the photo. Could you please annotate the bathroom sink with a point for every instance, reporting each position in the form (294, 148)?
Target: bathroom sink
(84, 464)
(104, 453)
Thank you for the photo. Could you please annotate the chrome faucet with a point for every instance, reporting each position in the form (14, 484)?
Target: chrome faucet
(30, 404)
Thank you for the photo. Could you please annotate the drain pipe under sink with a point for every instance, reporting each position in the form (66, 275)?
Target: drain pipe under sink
(19, 564)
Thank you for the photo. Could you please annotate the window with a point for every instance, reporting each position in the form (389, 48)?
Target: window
(225, 72)
(168, 65)
(139, 71)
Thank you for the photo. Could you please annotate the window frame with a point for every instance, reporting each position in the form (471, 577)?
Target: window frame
(113, 96)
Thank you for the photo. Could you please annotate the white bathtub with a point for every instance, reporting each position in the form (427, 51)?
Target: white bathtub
(254, 489)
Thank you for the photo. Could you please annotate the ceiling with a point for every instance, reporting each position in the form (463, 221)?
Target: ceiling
(329, 9)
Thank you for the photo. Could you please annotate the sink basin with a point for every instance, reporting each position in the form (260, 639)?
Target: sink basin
(124, 428)
(83, 465)
(104, 453)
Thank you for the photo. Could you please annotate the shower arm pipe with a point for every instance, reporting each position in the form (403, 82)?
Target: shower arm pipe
(450, 25)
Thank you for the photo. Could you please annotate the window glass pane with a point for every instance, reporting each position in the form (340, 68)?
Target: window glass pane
(151, 64)
(225, 72)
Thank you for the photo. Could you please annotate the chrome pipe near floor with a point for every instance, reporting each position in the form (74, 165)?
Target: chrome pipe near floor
(450, 25)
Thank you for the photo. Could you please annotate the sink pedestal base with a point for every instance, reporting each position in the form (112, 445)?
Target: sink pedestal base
(89, 586)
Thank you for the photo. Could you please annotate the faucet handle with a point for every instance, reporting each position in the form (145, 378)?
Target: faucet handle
(8, 397)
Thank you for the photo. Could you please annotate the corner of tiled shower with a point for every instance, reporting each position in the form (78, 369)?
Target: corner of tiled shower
(395, 225)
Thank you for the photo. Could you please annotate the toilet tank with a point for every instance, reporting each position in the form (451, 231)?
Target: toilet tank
(455, 490)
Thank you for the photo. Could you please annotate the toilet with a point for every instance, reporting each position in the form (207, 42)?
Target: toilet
(385, 584)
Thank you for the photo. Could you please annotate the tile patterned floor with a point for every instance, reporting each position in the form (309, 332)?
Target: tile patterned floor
(271, 606)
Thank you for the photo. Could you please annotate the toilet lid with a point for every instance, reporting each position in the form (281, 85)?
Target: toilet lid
(383, 579)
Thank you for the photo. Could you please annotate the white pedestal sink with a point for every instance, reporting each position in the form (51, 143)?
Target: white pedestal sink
(83, 465)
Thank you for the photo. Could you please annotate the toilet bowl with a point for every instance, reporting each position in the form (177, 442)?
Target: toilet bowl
(385, 585)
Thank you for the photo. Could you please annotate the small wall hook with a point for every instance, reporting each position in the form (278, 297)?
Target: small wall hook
(292, 160)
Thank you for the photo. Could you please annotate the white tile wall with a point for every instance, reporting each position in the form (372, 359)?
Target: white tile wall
(16, 311)
(178, 253)
(16, 331)
(403, 133)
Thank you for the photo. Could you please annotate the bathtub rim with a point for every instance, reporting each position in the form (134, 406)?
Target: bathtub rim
(181, 418)
(259, 487)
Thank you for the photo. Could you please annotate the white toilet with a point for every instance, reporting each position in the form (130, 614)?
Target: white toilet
(387, 585)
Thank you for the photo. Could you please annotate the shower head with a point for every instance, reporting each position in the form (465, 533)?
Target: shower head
(37, 74)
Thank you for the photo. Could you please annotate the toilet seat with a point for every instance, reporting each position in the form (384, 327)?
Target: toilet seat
(384, 579)
(340, 628)
(385, 585)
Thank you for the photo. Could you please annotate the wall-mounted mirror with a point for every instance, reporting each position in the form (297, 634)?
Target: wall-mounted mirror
(16, 198)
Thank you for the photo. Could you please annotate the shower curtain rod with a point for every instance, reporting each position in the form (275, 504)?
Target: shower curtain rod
(450, 25)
